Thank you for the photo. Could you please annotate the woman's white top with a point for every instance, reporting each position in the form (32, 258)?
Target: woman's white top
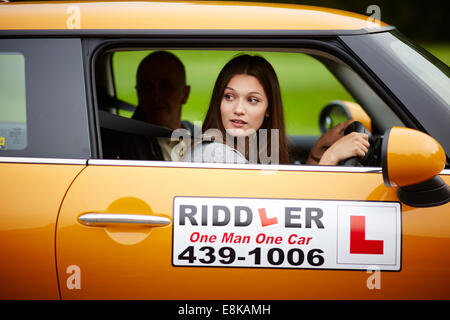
(213, 152)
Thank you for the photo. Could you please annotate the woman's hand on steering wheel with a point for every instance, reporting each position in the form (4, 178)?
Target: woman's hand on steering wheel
(354, 144)
(327, 140)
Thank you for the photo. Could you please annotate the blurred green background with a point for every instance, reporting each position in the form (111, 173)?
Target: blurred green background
(306, 85)
(423, 21)
(12, 87)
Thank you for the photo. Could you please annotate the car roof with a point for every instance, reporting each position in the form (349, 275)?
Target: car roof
(178, 15)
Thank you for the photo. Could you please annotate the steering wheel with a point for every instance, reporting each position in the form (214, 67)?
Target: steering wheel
(357, 126)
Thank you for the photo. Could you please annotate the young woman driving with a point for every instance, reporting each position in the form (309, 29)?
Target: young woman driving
(246, 104)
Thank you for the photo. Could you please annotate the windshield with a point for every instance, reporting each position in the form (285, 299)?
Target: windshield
(422, 65)
(418, 81)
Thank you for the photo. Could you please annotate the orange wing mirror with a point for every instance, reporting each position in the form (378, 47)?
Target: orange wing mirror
(412, 161)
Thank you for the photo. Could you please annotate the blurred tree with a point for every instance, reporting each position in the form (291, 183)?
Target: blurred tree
(423, 21)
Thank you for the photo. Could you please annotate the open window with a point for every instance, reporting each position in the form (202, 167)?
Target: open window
(310, 81)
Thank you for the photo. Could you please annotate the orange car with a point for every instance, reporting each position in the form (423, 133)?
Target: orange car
(76, 224)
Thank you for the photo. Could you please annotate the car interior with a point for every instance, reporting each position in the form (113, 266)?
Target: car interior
(123, 137)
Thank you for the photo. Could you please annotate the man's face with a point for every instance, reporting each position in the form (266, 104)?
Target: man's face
(161, 93)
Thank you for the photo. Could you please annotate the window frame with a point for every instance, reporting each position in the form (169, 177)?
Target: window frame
(55, 98)
(329, 44)
(428, 110)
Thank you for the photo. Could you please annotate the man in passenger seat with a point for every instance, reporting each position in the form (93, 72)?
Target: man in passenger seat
(162, 91)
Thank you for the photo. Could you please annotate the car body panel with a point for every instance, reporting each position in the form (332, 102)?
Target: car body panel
(43, 242)
(30, 206)
(183, 15)
(119, 262)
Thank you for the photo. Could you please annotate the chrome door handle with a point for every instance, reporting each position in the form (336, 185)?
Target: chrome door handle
(101, 219)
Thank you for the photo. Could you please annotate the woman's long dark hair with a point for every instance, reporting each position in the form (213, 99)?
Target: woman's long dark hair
(261, 69)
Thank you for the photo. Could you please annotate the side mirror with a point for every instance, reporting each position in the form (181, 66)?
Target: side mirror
(412, 161)
(338, 111)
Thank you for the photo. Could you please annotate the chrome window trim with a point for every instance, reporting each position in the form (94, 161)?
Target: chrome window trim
(199, 165)
(43, 160)
(262, 167)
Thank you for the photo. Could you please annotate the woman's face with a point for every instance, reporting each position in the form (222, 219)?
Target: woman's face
(244, 105)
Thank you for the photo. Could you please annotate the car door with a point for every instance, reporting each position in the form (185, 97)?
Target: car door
(154, 262)
(171, 230)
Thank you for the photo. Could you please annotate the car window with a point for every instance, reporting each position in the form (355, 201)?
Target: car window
(429, 73)
(43, 110)
(306, 84)
(416, 78)
(310, 80)
(13, 125)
